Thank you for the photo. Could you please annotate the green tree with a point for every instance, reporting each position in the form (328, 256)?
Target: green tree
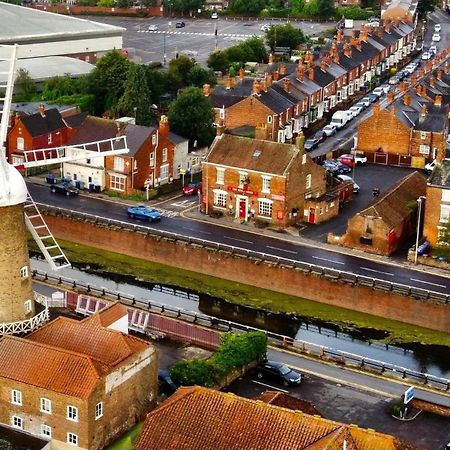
(285, 36)
(218, 60)
(107, 80)
(188, 5)
(247, 7)
(177, 73)
(297, 6)
(136, 100)
(198, 76)
(123, 3)
(326, 8)
(426, 6)
(192, 115)
(26, 85)
(156, 82)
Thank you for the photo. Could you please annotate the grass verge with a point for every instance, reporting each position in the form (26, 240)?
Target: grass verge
(105, 262)
(126, 441)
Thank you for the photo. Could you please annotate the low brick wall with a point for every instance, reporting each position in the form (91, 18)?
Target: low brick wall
(427, 261)
(430, 407)
(373, 298)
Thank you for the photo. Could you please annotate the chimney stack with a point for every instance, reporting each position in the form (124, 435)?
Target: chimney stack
(403, 86)
(229, 83)
(41, 110)
(390, 96)
(270, 58)
(300, 71)
(347, 50)
(447, 68)
(439, 75)
(438, 100)
(339, 36)
(276, 75)
(164, 126)
(269, 79)
(286, 84)
(432, 81)
(283, 69)
(206, 90)
(311, 73)
(257, 87)
(241, 73)
(407, 99)
(423, 110)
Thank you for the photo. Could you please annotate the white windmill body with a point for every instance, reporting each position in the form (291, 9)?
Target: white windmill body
(20, 215)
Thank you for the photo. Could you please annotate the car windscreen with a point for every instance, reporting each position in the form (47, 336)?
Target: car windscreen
(284, 370)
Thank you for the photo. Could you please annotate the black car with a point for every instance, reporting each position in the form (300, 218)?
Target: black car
(180, 25)
(311, 144)
(373, 98)
(64, 188)
(278, 372)
(320, 136)
(166, 384)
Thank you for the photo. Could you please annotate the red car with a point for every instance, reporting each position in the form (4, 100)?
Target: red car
(192, 188)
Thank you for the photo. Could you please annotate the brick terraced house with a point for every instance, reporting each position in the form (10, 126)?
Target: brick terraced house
(290, 97)
(437, 206)
(388, 221)
(77, 383)
(272, 183)
(190, 419)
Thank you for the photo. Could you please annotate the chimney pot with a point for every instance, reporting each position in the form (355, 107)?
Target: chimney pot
(206, 90)
(286, 84)
(438, 100)
(300, 71)
(283, 69)
(41, 110)
(432, 81)
(439, 75)
(423, 110)
(271, 58)
(276, 75)
(257, 88)
(229, 83)
(164, 126)
(407, 99)
(241, 73)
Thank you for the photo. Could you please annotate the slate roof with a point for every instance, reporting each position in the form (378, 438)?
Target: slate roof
(294, 94)
(322, 78)
(196, 418)
(307, 86)
(136, 136)
(76, 120)
(176, 138)
(94, 129)
(38, 125)
(392, 207)
(222, 97)
(235, 151)
(441, 175)
(275, 101)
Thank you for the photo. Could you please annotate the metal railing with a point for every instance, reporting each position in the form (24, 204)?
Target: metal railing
(221, 325)
(25, 326)
(332, 274)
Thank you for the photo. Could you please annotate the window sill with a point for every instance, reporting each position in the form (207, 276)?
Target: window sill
(264, 217)
(223, 208)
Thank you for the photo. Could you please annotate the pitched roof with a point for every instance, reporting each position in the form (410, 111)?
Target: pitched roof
(38, 124)
(392, 207)
(75, 120)
(94, 129)
(189, 420)
(136, 136)
(47, 367)
(222, 97)
(252, 154)
(112, 313)
(441, 175)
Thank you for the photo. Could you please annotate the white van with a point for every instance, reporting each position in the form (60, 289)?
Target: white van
(340, 118)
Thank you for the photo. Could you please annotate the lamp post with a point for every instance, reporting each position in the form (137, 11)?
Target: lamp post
(419, 213)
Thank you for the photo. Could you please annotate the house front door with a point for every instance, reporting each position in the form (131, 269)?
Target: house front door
(312, 215)
(242, 209)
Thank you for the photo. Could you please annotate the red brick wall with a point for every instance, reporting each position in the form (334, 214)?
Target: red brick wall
(432, 214)
(435, 316)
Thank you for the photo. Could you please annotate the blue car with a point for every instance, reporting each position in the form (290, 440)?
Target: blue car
(144, 213)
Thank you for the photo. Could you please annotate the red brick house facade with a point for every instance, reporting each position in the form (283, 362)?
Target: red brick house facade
(256, 180)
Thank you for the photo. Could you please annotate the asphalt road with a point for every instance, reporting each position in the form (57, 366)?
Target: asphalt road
(257, 241)
(196, 39)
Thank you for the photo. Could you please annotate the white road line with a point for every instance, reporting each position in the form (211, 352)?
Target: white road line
(270, 386)
(377, 271)
(329, 260)
(197, 231)
(281, 249)
(239, 240)
(427, 282)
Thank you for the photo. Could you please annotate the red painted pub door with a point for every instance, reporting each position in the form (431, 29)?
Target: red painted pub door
(312, 215)
(242, 211)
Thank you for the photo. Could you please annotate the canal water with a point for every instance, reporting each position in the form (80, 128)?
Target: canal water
(431, 359)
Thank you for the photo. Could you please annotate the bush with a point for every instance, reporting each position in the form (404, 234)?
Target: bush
(353, 12)
(235, 351)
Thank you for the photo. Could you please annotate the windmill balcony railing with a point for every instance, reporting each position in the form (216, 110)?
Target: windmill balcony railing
(25, 326)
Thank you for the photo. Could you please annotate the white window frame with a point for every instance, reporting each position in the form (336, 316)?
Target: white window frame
(308, 181)
(444, 216)
(304, 158)
(72, 413)
(20, 143)
(221, 113)
(98, 410)
(49, 138)
(164, 154)
(445, 197)
(242, 178)
(264, 203)
(16, 397)
(117, 182)
(17, 160)
(46, 405)
(266, 184)
(17, 422)
(220, 198)
(119, 164)
(423, 135)
(135, 166)
(220, 175)
(28, 306)
(164, 172)
(153, 139)
(24, 272)
(46, 431)
(152, 159)
(269, 119)
(424, 149)
(72, 439)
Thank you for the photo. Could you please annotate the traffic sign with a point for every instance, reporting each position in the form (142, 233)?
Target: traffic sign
(282, 50)
(182, 171)
(409, 395)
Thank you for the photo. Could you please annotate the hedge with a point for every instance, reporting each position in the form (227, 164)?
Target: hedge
(235, 351)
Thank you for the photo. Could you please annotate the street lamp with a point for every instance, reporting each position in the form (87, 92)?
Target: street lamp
(419, 213)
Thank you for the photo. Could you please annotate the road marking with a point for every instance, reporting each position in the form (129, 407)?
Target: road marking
(377, 271)
(184, 203)
(270, 386)
(329, 260)
(197, 231)
(427, 282)
(239, 240)
(281, 249)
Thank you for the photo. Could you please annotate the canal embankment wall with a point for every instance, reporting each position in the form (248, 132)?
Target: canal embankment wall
(364, 294)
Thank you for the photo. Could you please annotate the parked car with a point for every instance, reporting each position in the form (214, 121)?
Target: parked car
(410, 68)
(192, 188)
(310, 144)
(64, 188)
(436, 37)
(335, 167)
(278, 372)
(356, 187)
(351, 159)
(373, 97)
(430, 166)
(355, 110)
(214, 15)
(320, 136)
(342, 168)
(166, 384)
(180, 25)
(426, 56)
(378, 91)
(340, 118)
(365, 101)
(265, 27)
(432, 50)
(329, 130)
(437, 28)
(362, 105)
(385, 88)
(143, 212)
(394, 80)
(152, 28)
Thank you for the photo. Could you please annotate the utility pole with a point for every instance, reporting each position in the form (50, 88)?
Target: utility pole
(164, 49)
(216, 45)
(419, 213)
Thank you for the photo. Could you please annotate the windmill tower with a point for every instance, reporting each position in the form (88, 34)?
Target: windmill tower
(19, 215)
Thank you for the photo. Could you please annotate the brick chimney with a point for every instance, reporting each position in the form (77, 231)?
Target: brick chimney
(429, 66)
(420, 90)
(241, 73)
(283, 69)
(438, 100)
(229, 83)
(261, 132)
(447, 68)
(388, 26)
(269, 79)
(311, 73)
(403, 86)
(41, 110)
(376, 109)
(257, 88)
(164, 126)
(414, 78)
(300, 141)
(339, 36)
(347, 50)
(432, 81)
(380, 32)
(286, 84)
(407, 99)
(206, 90)
(423, 110)
(300, 71)
(439, 75)
(363, 34)
(270, 58)
(276, 75)
(390, 96)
